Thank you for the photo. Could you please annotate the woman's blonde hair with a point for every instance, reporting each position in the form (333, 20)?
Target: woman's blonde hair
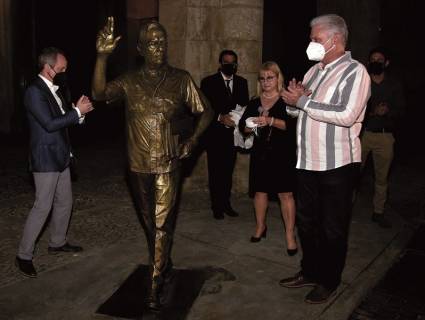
(273, 67)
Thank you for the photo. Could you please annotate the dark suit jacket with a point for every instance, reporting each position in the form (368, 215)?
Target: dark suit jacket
(49, 140)
(215, 90)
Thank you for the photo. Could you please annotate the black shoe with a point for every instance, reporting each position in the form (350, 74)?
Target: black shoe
(381, 220)
(320, 294)
(263, 235)
(297, 281)
(230, 212)
(219, 215)
(65, 248)
(26, 267)
(292, 252)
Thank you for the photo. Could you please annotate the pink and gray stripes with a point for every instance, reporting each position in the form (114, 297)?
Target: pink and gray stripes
(329, 120)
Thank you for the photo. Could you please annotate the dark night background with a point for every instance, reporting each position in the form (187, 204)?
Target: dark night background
(401, 23)
(73, 27)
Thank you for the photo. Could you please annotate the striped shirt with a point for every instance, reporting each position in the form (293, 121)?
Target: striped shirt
(329, 120)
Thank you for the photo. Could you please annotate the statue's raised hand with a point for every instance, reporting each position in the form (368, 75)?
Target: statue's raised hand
(106, 42)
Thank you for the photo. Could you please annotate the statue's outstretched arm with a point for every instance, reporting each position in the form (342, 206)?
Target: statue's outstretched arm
(105, 45)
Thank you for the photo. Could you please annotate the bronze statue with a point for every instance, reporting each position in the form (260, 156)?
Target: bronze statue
(157, 96)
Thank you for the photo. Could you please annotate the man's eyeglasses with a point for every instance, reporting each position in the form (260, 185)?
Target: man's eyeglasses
(267, 79)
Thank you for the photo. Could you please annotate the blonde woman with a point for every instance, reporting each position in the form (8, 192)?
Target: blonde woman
(272, 165)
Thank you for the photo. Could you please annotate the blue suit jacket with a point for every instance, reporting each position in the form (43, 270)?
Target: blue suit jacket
(49, 140)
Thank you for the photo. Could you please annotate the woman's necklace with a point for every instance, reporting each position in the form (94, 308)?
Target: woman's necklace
(269, 100)
(270, 96)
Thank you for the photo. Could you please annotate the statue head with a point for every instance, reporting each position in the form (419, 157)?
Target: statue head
(152, 43)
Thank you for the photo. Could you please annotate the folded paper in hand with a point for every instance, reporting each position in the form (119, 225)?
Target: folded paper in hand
(238, 138)
(249, 122)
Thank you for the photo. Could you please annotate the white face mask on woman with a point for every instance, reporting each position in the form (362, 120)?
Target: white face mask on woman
(316, 51)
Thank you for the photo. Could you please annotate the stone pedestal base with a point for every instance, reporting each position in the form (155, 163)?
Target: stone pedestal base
(129, 300)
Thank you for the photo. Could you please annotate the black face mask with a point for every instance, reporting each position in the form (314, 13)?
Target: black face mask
(228, 69)
(60, 79)
(376, 68)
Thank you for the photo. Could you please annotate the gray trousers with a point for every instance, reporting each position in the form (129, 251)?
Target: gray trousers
(53, 191)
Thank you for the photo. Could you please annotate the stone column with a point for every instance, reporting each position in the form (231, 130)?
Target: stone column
(198, 30)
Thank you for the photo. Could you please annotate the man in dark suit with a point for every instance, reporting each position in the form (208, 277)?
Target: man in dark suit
(49, 116)
(224, 90)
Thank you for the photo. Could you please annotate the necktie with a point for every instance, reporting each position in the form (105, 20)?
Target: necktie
(229, 91)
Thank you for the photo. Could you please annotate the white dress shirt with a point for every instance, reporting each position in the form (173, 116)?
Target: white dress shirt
(227, 78)
(53, 88)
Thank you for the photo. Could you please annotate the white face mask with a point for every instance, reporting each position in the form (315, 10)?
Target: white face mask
(316, 51)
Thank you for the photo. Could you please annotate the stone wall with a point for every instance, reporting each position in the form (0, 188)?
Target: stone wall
(198, 30)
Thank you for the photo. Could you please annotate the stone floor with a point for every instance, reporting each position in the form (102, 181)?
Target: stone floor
(400, 294)
(104, 222)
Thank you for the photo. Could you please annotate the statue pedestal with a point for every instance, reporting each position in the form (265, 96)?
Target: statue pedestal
(129, 300)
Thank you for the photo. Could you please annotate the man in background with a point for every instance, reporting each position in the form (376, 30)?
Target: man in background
(385, 106)
(225, 90)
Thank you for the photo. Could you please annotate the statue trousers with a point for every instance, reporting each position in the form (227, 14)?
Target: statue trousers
(155, 197)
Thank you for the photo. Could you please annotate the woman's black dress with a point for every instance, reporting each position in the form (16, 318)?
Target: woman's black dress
(272, 165)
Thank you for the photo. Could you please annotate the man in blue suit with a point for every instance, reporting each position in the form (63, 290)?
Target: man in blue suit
(49, 116)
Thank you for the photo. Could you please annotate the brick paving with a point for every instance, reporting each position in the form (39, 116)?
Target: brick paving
(103, 216)
(103, 212)
(96, 222)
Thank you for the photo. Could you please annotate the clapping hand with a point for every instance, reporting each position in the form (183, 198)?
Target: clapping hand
(261, 121)
(381, 109)
(84, 105)
(106, 42)
(293, 92)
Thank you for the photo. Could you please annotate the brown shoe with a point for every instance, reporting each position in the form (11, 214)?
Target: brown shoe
(319, 294)
(297, 281)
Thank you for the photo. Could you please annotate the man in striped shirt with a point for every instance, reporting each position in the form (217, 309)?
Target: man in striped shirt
(330, 104)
